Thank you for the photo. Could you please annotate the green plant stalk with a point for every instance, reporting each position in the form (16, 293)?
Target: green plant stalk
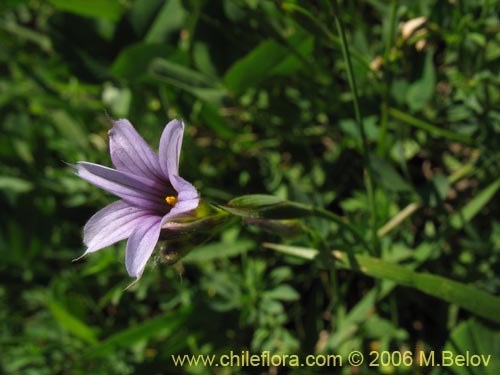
(384, 124)
(359, 120)
(392, 27)
(384, 117)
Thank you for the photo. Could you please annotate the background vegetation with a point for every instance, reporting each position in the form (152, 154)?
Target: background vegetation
(264, 91)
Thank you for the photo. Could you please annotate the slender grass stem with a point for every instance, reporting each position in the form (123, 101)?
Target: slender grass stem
(384, 110)
(333, 7)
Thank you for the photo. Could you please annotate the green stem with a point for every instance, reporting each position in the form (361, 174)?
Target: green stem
(384, 118)
(333, 7)
(390, 32)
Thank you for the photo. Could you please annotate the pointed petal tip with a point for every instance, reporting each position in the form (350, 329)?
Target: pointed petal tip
(127, 288)
(80, 257)
(108, 116)
(176, 123)
(114, 124)
(71, 165)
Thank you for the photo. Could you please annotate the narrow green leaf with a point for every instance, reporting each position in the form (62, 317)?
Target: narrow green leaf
(200, 85)
(72, 324)
(282, 292)
(255, 200)
(463, 295)
(15, 184)
(471, 209)
(266, 206)
(432, 129)
(176, 72)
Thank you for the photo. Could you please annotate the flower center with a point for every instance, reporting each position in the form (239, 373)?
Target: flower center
(171, 200)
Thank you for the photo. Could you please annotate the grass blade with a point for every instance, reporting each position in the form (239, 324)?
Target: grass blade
(432, 129)
(463, 295)
(471, 209)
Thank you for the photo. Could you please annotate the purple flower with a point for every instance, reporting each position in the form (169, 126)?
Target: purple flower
(151, 191)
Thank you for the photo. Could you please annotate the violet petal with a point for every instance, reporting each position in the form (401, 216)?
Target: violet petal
(143, 239)
(130, 153)
(170, 147)
(185, 190)
(136, 190)
(111, 224)
(181, 208)
(141, 244)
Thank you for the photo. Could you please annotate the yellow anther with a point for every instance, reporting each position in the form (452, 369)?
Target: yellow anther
(171, 200)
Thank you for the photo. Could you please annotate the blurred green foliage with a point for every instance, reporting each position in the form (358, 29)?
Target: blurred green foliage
(262, 86)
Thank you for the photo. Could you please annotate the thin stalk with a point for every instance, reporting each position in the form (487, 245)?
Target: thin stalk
(384, 117)
(333, 7)
(399, 218)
